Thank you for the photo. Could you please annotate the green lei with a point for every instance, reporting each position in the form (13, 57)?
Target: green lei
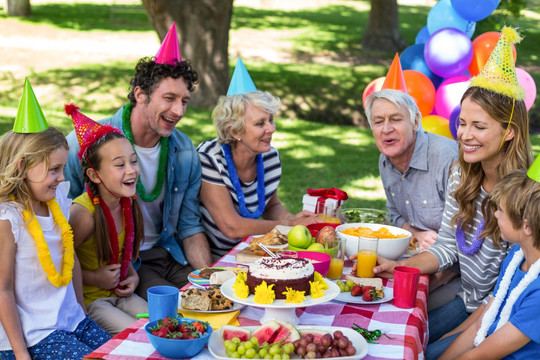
(164, 143)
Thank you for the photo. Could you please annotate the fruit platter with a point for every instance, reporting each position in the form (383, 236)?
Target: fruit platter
(283, 340)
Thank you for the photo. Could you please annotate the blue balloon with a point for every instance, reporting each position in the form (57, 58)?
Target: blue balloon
(443, 15)
(412, 58)
(448, 52)
(422, 36)
(475, 10)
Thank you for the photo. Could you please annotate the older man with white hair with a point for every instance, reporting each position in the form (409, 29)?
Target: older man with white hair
(414, 167)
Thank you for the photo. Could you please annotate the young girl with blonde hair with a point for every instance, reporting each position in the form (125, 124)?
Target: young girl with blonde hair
(39, 313)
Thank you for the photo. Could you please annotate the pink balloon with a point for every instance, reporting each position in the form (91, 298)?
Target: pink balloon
(373, 86)
(449, 94)
(527, 83)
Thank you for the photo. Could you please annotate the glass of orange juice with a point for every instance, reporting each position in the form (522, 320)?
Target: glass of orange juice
(336, 249)
(367, 256)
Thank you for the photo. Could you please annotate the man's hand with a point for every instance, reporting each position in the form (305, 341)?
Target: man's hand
(385, 269)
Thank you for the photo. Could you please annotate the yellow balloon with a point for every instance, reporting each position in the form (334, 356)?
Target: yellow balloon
(437, 125)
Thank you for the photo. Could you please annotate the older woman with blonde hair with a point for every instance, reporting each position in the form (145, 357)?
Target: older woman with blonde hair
(241, 173)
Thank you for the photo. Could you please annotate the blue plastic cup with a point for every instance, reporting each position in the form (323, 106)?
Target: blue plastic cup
(162, 302)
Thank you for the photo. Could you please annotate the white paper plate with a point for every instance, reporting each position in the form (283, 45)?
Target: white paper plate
(236, 306)
(347, 297)
(216, 348)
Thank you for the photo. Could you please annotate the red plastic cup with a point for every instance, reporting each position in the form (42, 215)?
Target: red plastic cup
(405, 286)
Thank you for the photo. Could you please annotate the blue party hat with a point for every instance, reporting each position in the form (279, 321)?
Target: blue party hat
(241, 82)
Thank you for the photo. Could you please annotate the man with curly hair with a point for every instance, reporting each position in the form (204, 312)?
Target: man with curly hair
(174, 243)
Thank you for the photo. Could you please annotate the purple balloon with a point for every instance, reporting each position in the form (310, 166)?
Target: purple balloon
(453, 123)
(448, 52)
(474, 10)
(449, 94)
(412, 58)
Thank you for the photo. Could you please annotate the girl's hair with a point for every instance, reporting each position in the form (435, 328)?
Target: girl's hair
(516, 154)
(520, 197)
(20, 153)
(230, 112)
(93, 158)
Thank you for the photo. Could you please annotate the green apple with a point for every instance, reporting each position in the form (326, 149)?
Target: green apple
(318, 247)
(299, 237)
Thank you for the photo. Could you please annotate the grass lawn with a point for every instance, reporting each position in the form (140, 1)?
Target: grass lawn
(323, 83)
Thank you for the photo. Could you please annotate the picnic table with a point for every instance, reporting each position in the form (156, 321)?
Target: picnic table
(405, 329)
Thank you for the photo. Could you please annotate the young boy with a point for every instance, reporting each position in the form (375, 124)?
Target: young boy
(507, 328)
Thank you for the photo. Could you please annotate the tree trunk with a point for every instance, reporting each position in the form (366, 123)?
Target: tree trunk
(203, 32)
(382, 31)
(18, 7)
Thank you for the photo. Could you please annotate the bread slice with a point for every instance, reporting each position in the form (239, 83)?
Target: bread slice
(375, 282)
(219, 302)
(196, 299)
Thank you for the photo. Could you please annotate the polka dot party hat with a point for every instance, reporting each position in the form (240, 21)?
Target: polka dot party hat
(499, 72)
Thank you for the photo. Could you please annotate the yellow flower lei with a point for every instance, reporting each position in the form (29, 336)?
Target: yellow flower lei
(44, 254)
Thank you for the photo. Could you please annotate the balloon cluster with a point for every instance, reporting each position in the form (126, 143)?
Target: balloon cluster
(439, 65)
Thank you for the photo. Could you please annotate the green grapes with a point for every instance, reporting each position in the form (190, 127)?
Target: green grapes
(251, 349)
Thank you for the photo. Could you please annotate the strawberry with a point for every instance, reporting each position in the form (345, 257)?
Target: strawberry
(356, 290)
(370, 295)
(161, 332)
(367, 288)
(367, 296)
(170, 323)
(199, 327)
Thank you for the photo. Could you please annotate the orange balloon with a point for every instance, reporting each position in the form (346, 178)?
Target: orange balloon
(437, 125)
(374, 85)
(421, 88)
(483, 45)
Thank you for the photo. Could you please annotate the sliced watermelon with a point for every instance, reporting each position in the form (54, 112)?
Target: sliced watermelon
(317, 334)
(229, 331)
(287, 327)
(267, 332)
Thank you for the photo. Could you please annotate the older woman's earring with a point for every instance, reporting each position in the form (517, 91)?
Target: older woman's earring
(238, 139)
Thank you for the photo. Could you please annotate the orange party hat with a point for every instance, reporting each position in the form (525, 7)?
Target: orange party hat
(394, 78)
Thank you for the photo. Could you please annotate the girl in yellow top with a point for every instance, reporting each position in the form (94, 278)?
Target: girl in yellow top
(107, 224)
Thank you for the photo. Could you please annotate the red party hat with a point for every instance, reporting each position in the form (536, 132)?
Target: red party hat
(394, 78)
(169, 51)
(88, 131)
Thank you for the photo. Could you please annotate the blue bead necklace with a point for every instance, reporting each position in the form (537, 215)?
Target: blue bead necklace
(238, 188)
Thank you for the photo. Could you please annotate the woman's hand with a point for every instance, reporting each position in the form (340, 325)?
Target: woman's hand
(304, 217)
(385, 269)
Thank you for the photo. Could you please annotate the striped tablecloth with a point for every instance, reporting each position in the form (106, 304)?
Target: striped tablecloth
(406, 329)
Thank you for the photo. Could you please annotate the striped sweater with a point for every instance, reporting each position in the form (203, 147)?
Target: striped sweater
(215, 171)
(479, 272)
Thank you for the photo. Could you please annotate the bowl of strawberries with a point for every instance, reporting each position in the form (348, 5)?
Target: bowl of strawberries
(178, 338)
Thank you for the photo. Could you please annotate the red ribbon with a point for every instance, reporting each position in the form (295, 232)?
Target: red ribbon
(331, 193)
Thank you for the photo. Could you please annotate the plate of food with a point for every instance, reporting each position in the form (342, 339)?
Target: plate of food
(205, 277)
(377, 292)
(217, 348)
(208, 301)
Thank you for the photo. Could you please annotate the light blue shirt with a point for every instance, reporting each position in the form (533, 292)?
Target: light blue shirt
(181, 215)
(417, 196)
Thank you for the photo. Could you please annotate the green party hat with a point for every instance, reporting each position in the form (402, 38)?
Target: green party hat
(534, 170)
(30, 118)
